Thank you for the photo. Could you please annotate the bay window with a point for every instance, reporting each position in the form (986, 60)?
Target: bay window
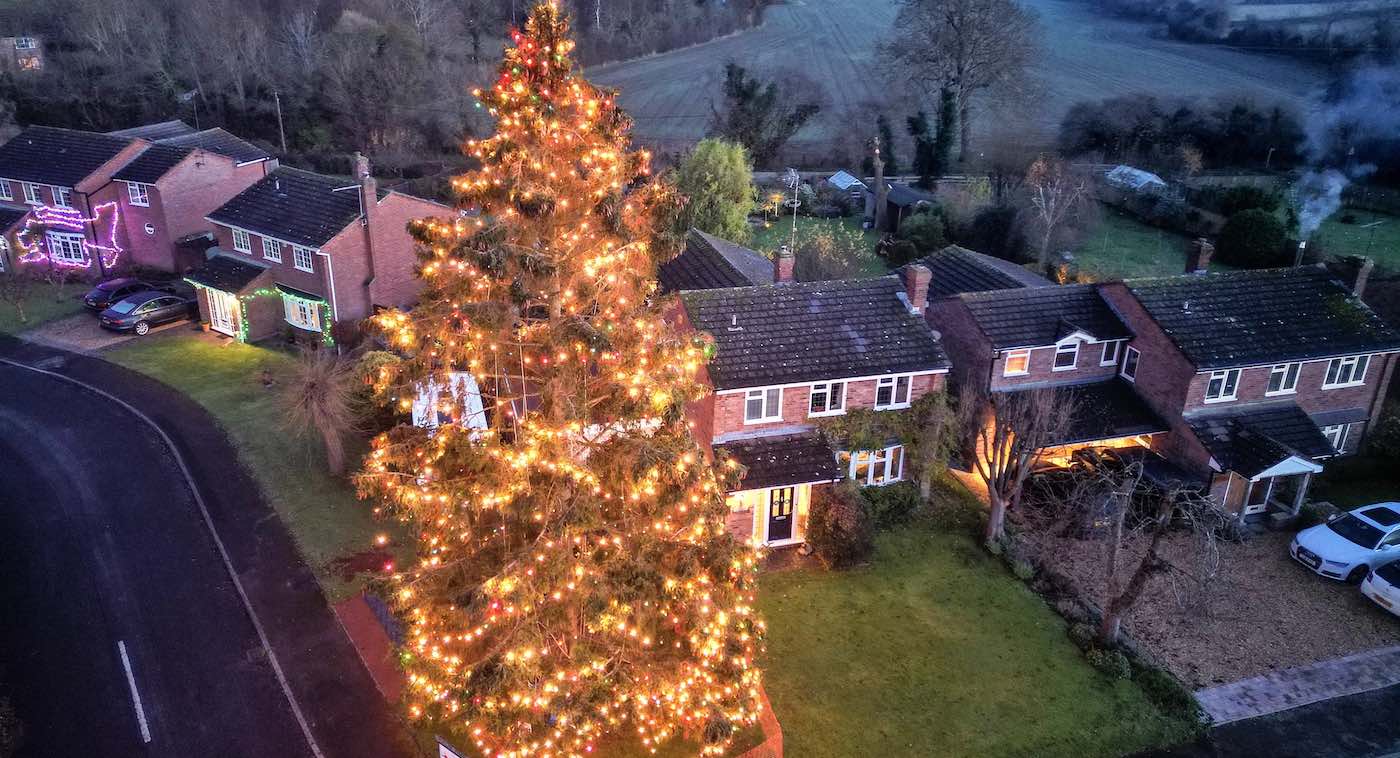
(873, 468)
(302, 314)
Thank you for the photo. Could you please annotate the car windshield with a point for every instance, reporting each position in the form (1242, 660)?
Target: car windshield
(1390, 572)
(1357, 531)
(125, 306)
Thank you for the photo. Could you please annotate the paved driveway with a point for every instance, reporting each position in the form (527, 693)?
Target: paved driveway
(81, 334)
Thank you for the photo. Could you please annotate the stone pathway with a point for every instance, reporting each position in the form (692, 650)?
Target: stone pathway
(1290, 688)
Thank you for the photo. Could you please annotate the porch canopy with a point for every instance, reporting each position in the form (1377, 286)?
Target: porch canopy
(1257, 442)
(783, 460)
(225, 273)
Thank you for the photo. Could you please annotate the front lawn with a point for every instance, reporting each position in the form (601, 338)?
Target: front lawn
(935, 649)
(321, 511)
(46, 302)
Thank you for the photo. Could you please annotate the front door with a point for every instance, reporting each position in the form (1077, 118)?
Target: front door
(1258, 498)
(780, 502)
(223, 310)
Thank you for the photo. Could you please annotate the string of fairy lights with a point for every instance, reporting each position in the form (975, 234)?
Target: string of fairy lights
(574, 586)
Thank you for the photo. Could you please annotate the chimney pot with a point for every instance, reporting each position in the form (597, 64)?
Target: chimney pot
(783, 266)
(1198, 258)
(916, 280)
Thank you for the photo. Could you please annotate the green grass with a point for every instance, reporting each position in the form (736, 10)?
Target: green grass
(935, 649)
(1123, 247)
(47, 302)
(320, 510)
(1381, 242)
(767, 239)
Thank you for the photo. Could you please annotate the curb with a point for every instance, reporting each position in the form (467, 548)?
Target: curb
(213, 533)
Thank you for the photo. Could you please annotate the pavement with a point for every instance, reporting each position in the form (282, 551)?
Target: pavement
(102, 543)
(1303, 685)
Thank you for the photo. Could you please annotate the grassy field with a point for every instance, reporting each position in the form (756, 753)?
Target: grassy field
(1123, 247)
(46, 303)
(834, 43)
(1381, 241)
(321, 511)
(936, 650)
(778, 233)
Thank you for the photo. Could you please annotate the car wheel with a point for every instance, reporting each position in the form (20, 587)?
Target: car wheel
(142, 328)
(1357, 574)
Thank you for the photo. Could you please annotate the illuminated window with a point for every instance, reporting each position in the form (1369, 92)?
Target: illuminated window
(67, 248)
(763, 405)
(301, 258)
(827, 399)
(1346, 372)
(272, 250)
(1018, 362)
(892, 392)
(302, 313)
(241, 242)
(25, 43)
(869, 468)
(1066, 356)
(1283, 379)
(138, 194)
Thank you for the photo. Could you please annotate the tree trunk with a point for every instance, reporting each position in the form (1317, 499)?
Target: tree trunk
(1045, 249)
(996, 517)
(1109, 626)
(926, 486)
(335, 452)
(964, 132)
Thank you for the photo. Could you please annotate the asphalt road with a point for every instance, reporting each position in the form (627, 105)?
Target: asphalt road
(100, 544)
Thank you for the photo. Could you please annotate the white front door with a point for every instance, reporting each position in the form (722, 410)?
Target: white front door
(223, 312)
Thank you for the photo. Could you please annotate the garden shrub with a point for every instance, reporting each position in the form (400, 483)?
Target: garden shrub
(1023, 570)
(1082, 635)
(838, 529)
(926, 231)
(1167, 692)
(901, 252)
(1384, 440)
(1312, 514)
(997, 231)
(892, 505)
(1253, 239)
(1110, 663)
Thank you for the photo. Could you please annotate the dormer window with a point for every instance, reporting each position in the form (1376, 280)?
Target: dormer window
(1018, 363)
(1223, 385)
(1066, 356)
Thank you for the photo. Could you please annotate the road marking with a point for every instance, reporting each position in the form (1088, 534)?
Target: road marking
(213, 533)
(135, 695)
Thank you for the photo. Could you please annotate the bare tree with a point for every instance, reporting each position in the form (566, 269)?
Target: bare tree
(302, 41)
(1004, 433)
(1055, 189)
(318, 395)
(423, 16)
(15, 290)
(968, 46)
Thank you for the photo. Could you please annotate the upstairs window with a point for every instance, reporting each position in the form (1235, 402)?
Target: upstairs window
(827, 399)
(1283, 379)
(301, 258)
(763, 405)
(31, 194)
(63, 197)
(892, 392)
(138, 194)
(1110, 353)
(241, 242)
(1066, 356)
(272, 250)
(6, 192)
(1018, 363)
(25, 43)
(1130, 364)
(1346, 372)
(1222, 385)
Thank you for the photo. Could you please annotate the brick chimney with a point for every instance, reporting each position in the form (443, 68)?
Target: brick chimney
(1353, 270)
(1198, 257)
(916, 279)
(783, 266)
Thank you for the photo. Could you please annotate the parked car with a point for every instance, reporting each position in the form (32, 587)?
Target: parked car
(113, 291)
(1383, 586)
(142, 311)
(1351, 544)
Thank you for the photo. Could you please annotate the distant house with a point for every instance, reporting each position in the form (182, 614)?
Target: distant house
(708, 262)
(24, 53)
(1134, 179)
(303, 251)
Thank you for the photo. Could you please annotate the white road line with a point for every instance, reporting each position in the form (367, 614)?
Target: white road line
(135, 695)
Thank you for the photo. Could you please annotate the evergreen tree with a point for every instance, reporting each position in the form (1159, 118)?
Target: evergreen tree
(574, 581)
(947, 132)
(716, 180)
(923, 149)
(887, 145)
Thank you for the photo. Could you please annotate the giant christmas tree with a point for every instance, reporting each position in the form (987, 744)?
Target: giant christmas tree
(574, 585)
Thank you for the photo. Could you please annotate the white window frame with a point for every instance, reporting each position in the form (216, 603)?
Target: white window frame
(60, 247)
(299, 254)
(31, 193)
(1336, 435)
(766, 398)
(271, 250)
(1111, 359)
(6, 191)
(1067, 348)
(1288, 385)
(1224, 377)
(1014, 355)
(62, 197)
(25, 43)
(302, 314)
(139, 194)
(893, 383)
(1131, 357)
(1355, 367)
(824, 389)
(891, 467)
(242, 241)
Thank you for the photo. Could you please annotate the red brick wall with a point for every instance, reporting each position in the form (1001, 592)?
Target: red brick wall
(967, 347)
(395, 256)
(1309, 395)
(729, 407)
(1042, 367)
(153, 250)
(284, 272)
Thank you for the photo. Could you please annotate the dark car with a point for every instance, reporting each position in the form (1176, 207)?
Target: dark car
(144, 310)
(113, 291)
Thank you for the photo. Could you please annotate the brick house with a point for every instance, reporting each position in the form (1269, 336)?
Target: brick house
(789, 354)
(52, 182)
(24, 53)
(301, 251)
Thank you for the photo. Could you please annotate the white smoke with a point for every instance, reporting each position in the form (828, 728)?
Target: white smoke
(1319, 196)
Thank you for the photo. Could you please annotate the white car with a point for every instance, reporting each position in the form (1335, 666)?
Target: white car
(1383, 586)
(1349, 545)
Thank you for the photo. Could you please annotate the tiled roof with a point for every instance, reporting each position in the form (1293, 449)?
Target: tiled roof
(1109, 410)
(1038, 316)
(1250, 440)
(61, 157)
(957, 270)
(782, 460)
(796, 332)
(708, 262)
(294, 206)
(157, 131)
(225, 274)
(10, 215)
(220, 142)
(151, 164)
(1249, 318)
